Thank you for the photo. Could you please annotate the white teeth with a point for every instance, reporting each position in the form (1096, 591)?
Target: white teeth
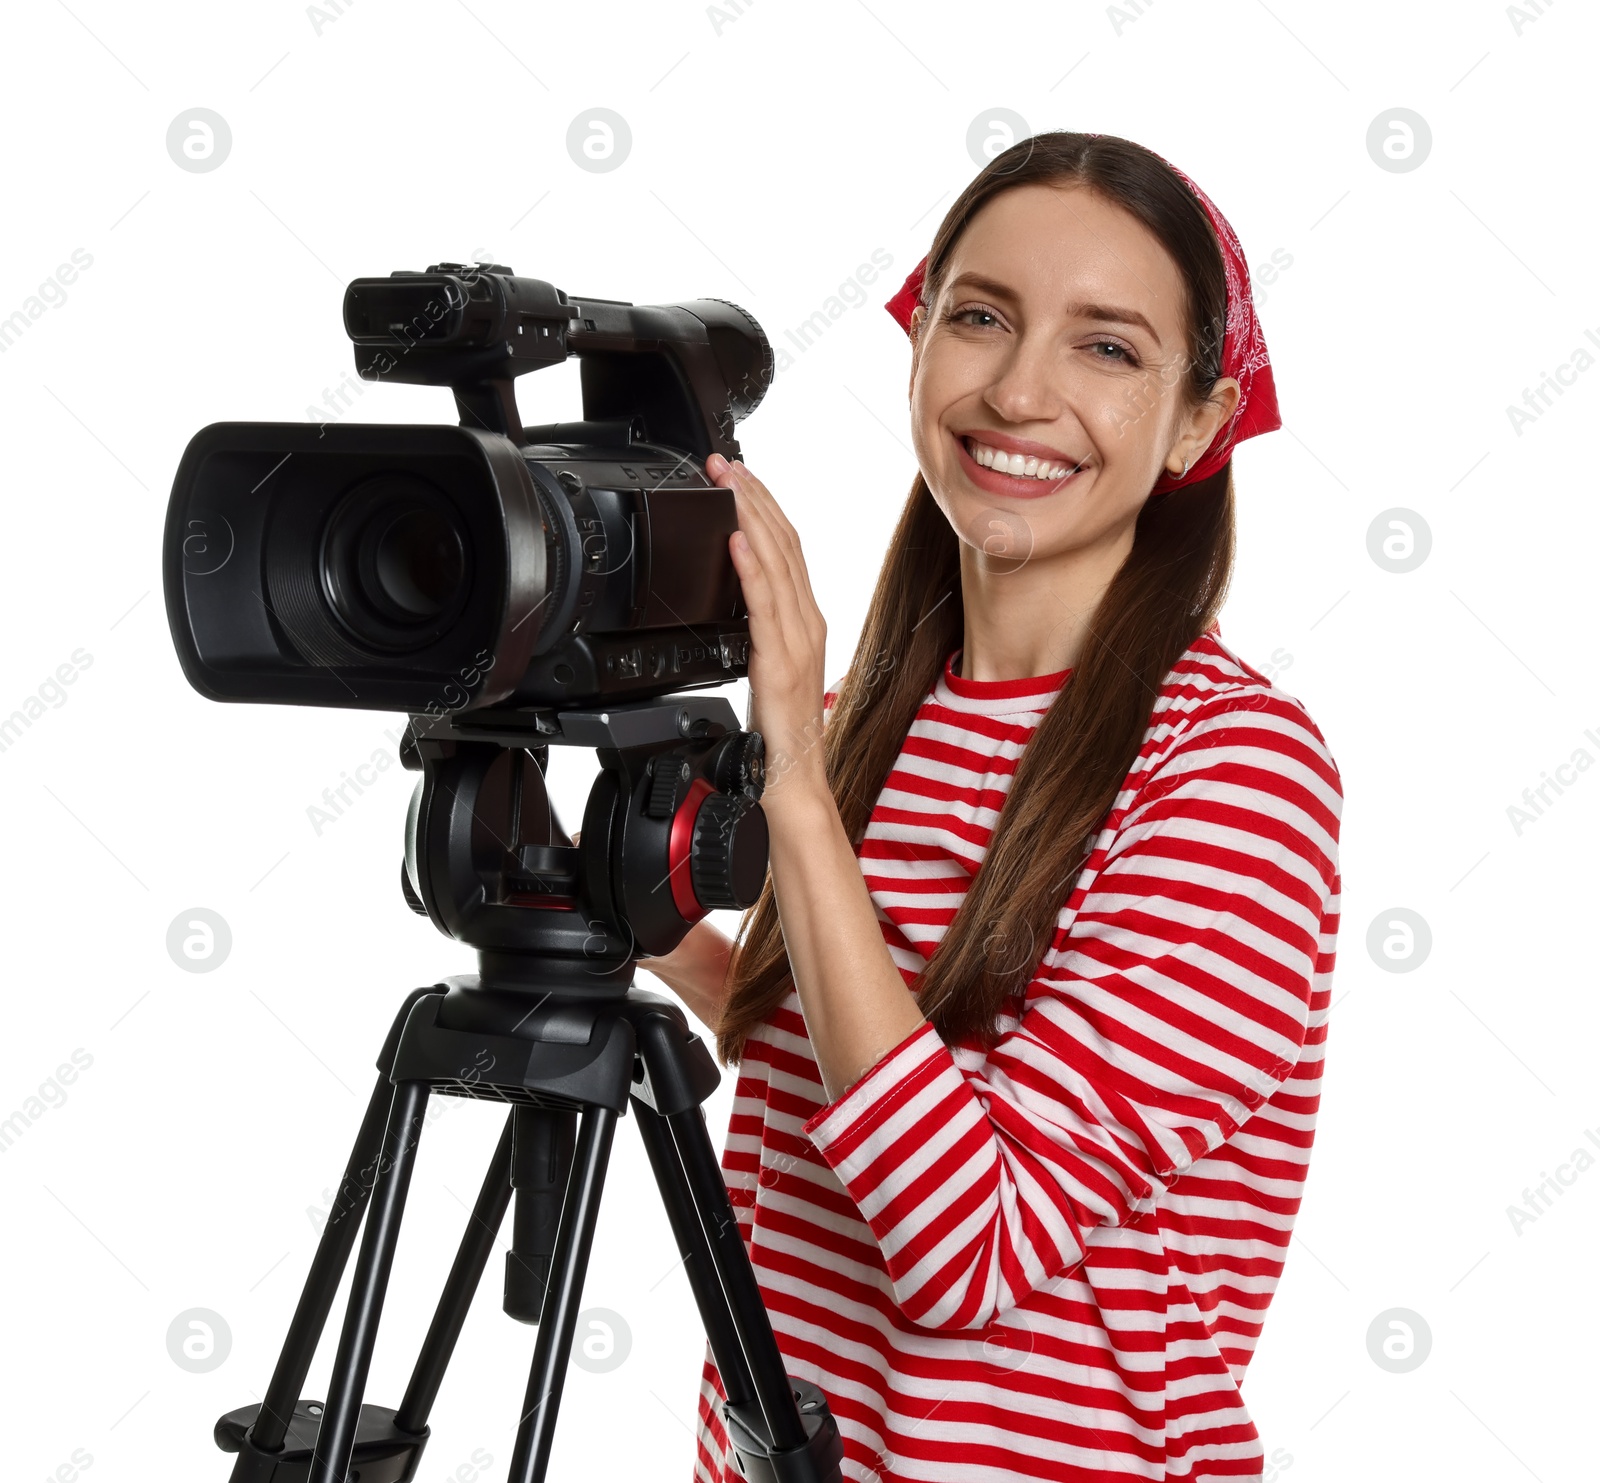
(1016, 464)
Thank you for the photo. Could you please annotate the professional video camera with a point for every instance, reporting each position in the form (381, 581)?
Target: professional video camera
(459, 568)
(512, 588)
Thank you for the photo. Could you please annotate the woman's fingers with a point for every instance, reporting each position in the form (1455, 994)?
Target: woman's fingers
(785, 538)
(776, 574)
(760, 596)
(787, 628)
(780, 554)
(770, 507)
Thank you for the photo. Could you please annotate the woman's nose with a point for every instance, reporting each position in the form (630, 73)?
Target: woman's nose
(1026, 389)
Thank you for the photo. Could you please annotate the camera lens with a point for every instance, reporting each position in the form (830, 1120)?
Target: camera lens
(394, 562)
(411, 562)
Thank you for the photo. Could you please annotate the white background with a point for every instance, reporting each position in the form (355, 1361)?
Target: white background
(772, 151)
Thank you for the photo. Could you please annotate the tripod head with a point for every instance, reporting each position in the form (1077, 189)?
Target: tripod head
(672, 830)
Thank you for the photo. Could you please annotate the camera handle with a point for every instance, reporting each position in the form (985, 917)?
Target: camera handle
(689, 372)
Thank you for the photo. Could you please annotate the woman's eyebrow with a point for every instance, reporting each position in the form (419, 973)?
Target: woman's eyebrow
(1102, 313)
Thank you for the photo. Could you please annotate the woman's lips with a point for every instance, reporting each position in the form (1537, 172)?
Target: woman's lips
(1013, 486)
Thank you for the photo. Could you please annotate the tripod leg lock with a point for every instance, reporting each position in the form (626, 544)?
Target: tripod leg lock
(816, 1462)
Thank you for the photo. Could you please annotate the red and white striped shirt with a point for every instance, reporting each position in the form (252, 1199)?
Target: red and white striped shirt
(1053, 1261)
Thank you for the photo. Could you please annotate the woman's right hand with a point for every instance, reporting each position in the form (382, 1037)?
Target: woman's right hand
(697, 971)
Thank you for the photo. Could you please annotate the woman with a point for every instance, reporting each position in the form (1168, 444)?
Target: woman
(1029, 1019)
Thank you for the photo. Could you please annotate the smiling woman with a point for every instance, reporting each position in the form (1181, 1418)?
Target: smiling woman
(1029, 1019)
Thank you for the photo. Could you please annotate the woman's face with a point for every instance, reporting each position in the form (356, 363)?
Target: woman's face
(1058, 337)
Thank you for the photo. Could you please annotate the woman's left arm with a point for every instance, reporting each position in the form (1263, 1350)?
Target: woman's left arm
(856, 1005)
(1190, 988)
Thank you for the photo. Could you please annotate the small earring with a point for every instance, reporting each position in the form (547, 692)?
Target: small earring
(1185, 472)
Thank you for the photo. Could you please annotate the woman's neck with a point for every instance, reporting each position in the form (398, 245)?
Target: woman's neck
(1030, 617)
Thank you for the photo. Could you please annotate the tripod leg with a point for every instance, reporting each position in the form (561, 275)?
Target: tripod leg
(773, 1390)
(322, 1282)
(780, 1429)
(559, 1316)
(337, 1434)
(727, 1348)
(465, 1273)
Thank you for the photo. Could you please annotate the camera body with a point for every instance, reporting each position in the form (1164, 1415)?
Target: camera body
(434, 568)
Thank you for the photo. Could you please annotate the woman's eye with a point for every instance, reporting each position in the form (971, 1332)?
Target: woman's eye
(1122, 351)
(960, 316)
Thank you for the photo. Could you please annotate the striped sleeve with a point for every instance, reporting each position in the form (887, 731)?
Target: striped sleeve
(1169, 1010)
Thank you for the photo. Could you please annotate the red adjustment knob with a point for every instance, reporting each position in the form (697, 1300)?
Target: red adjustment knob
(722, 839)
(728, 851)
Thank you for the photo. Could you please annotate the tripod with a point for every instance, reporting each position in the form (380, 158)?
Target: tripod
(551, 1025)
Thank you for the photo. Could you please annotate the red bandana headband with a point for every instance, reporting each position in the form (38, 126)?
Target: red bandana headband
(1244, 350)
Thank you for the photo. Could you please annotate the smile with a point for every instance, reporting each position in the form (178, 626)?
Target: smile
(1015, 474)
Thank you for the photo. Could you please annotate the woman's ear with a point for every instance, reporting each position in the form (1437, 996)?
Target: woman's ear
(1202, 424)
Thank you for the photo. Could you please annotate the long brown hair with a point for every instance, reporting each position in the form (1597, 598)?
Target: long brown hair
(1165, 594)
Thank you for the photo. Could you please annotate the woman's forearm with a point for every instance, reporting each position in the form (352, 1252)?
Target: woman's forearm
(856, 1005)
(697, 971)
